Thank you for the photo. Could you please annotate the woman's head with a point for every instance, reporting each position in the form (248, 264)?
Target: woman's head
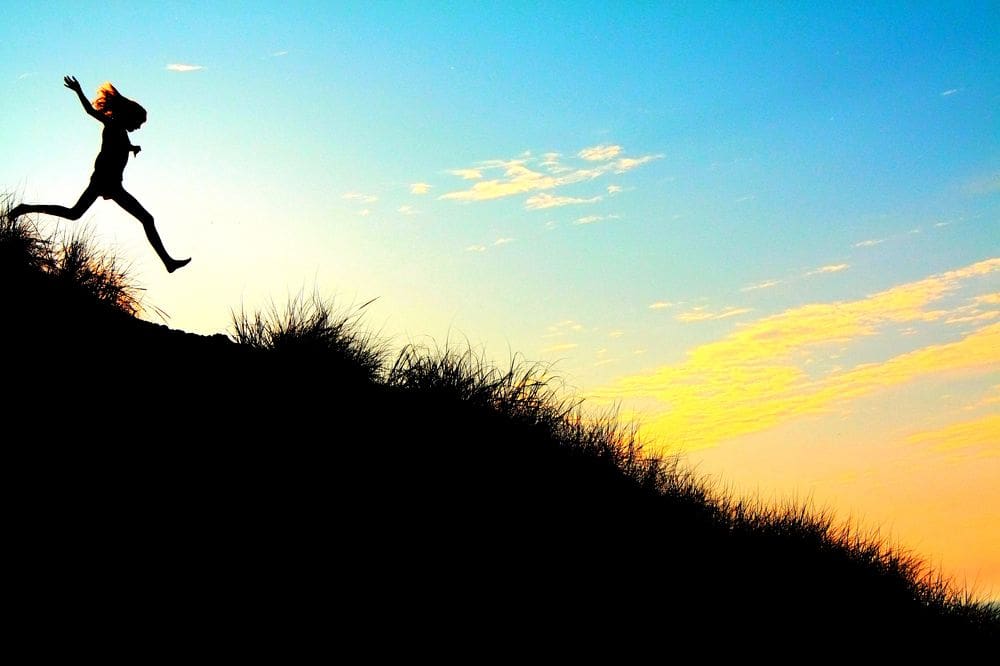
(118, 108)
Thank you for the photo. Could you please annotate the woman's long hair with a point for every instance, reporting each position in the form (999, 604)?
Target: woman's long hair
(119, 108)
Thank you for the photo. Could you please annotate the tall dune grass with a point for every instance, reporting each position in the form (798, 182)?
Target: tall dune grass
(69, 257)
(313, 327)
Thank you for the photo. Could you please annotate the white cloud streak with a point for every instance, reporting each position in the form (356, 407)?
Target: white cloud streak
(600, 153)
(629, 163)
(766, 284)
(522, 176)
(182, 67)
(566, 346)
(358, 196)
(831, 268)
(701, 313)
(544, 200)
(594, 219)
(562, 328)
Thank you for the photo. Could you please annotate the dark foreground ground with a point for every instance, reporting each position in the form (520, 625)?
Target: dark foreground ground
(175, 495)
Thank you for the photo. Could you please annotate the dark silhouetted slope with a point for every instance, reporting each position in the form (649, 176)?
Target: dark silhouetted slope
(243, 494)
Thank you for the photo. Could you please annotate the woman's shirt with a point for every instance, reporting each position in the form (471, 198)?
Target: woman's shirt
(115, 147)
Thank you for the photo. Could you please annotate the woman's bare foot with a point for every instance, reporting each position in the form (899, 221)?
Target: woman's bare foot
(174, 264)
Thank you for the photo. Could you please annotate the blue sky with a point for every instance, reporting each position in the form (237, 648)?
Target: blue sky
(790, 211)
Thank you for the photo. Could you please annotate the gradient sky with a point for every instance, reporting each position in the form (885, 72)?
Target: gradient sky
(769, 232)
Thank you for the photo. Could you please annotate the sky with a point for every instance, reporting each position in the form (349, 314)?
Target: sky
(767, 232)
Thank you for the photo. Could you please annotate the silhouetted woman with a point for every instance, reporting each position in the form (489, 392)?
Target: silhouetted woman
(120, 115)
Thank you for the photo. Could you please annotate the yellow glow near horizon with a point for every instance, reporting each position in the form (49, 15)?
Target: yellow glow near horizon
(761, 374)
(982, 433)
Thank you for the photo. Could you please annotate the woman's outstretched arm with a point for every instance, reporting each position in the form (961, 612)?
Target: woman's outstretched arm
(71, 83)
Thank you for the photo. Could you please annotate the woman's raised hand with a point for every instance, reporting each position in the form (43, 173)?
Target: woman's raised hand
(71, 83)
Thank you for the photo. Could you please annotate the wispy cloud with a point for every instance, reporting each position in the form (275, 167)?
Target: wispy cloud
(365, 212)
(407, 210)
(629, 163)
(985, 185)
(551, 162)
(182, 67)
(831, 268)
(600, 153)
(499, 242)
(278, 54)
(660, 305)
(983, 308)
(26, 75)
(755, 377)
(615, 189)
(991, 398)
(766, 284)
(419, 188)
(594, 219)
(973, 318)
(526, 174)
(981, 433)
(702, 313)
(565, 346)
(545, 200)
(949, 92)
(358, 196)
(872, 242)
(564, 327)
(560, 336)
(519, 179)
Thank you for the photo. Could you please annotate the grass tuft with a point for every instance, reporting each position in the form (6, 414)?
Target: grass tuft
(79, 264)
(522, 391)
(23, 248)
(313, 327)
(70, 259)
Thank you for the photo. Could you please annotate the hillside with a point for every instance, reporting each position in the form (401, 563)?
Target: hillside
(417, 504)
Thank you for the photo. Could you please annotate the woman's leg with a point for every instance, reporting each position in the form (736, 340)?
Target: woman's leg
(129, 203)
(85, 201)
